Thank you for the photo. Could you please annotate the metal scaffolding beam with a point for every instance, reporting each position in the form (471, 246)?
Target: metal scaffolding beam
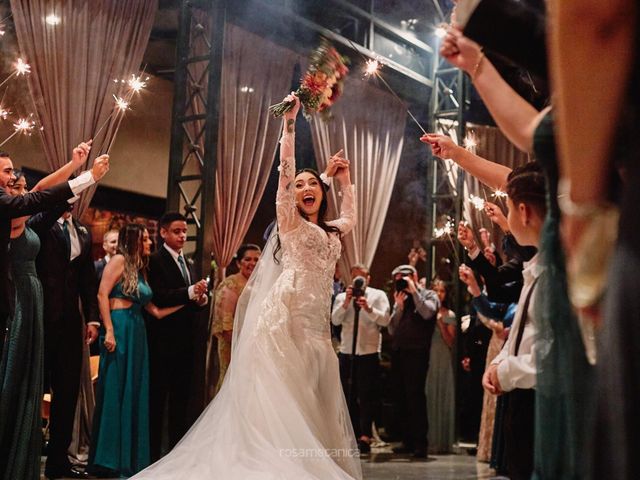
(194, 134)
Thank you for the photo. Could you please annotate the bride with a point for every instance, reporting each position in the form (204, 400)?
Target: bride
(281, 413)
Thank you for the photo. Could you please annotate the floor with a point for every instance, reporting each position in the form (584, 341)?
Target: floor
(386, 466)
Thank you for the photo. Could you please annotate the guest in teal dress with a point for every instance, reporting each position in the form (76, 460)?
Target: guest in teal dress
(120, 439)
(440, 380)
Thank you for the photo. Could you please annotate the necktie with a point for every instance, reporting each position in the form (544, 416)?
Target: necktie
(183, 268)
(67, 237)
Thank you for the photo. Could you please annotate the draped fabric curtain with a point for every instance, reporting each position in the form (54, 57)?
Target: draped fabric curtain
(491, 144)
(368, 124)
(256, 73)
(73, 67)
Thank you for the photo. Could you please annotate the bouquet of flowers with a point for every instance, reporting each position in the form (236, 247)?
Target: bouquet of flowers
(322, 85)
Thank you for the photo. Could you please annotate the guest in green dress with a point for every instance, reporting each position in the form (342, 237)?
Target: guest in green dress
(440, 380)
(120, 439)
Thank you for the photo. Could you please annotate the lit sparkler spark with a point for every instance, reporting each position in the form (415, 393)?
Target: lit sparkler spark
(23, 125)
(446, 230)
(137, 83)
(470, 141)
(121, 103)
(477, 202)
(499, 194)
(372, 67)
(4, 113)
(22, 68)
(2, 31)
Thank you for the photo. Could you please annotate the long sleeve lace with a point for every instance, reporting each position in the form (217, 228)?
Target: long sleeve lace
(286, 211)
(348, 211)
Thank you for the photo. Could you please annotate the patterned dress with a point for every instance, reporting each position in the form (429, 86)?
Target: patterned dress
(226, 298)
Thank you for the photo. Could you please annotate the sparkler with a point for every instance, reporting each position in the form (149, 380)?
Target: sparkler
(2, 25)
(372, 68)
(470, 141)
(477, 202)
(24, 125)
(136, 84)
(497, 193)
(20, 68)
(4, 113)
(447, 231)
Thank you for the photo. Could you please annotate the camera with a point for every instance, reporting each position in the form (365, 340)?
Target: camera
(401, 284)
(358, 286)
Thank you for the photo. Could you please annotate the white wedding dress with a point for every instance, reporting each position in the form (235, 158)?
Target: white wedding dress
(281, 413)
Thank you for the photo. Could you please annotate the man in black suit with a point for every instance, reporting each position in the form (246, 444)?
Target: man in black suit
(17, 206)
(68, 277)
(110, 247)
(171, 341)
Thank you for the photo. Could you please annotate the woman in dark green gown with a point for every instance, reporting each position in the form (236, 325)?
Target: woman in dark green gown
(120, 439)
(21, 367)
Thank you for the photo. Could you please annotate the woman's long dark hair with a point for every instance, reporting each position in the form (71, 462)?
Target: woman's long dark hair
(322, 212)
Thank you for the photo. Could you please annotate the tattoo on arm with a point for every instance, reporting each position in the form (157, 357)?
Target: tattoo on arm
(290, 124)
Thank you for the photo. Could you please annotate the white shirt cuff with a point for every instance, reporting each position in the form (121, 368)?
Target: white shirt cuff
(81, 182)
(95, 324)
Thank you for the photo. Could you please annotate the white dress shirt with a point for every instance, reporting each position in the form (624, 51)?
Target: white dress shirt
(520, 371)
(73, 236)
(369, 337)
(175, 255)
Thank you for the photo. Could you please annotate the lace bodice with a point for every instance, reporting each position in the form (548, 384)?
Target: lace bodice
(306, 248)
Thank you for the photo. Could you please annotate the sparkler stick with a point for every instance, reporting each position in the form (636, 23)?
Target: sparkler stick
(372, 68)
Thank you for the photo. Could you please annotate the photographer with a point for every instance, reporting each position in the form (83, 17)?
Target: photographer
(412, 324)
(374, 309)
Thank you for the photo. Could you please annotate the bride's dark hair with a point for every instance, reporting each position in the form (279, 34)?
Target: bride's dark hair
(322, 212)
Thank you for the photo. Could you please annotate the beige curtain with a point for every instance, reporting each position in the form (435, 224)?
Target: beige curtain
(369, 125)
(74, 64)
(256, 73)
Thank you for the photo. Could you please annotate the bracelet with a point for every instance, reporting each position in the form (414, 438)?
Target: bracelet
(474, 72)
(573, 209)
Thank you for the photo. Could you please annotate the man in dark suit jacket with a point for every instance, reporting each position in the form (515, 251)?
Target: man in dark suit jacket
(171, 341)
(68, 277)
(17, 206)
(110, 247)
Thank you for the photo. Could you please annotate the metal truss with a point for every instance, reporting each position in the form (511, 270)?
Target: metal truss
(194, 130)
(449, 102)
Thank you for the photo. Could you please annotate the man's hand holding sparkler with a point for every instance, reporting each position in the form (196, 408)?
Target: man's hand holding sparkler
(100, 167)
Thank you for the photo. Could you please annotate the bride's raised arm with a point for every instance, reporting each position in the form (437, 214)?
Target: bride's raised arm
(348, 211)
(286, 211)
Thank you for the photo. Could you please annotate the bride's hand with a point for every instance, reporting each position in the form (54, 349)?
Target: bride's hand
(293, 113)
(343, 175)
(333, 163)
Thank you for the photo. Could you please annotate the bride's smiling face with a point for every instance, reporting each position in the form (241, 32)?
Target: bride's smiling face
(309, 193)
